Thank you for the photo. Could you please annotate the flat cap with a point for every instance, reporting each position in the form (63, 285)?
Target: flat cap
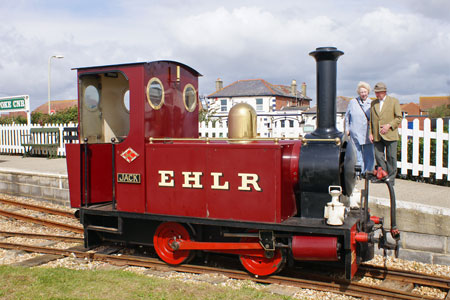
(379, 87)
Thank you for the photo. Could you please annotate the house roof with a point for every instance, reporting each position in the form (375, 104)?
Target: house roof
(255, 87)
(341, 105)
(56, 105)
(411, 108)
(426, 103)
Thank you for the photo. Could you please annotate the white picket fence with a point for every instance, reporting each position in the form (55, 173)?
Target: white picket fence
(11, 142)
(414, 136)
(12, 137)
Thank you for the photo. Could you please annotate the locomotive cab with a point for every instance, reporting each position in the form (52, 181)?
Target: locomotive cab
(120, 108)
(104, 107)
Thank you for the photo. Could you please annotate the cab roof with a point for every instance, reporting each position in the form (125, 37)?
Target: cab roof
(142, 63)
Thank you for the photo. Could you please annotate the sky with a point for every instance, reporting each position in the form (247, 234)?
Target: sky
(403, 43)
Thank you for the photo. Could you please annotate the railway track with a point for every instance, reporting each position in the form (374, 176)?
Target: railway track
(331, 285)
(60, 238)
(405, 276)
(43, 209)
(40, 221)
(306, 280)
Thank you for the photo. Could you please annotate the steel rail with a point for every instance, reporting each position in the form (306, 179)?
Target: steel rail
(46, 250)
(63, 238)
(381, 272)
(49, 223)
(404, 275)
(348, 288)
(53, 211)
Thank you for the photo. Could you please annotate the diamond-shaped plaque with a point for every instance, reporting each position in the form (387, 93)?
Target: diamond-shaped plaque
(129, 155)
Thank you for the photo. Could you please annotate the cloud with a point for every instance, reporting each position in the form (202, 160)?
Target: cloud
(432, 9)
(403, 43)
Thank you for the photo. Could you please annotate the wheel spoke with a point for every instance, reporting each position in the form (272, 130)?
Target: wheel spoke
(262, 265)
(165, 235)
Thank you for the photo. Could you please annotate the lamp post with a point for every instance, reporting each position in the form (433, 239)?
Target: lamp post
(49, 63)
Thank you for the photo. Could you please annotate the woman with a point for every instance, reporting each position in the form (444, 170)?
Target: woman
(357, 126)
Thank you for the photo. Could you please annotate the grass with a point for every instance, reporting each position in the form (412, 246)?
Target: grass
(60, 283)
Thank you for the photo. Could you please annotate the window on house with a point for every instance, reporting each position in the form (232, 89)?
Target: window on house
(223, 105)
(259, 104)
(291, 123)
(282, 123)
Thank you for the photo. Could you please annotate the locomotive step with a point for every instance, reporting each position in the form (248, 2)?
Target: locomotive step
(104, 229)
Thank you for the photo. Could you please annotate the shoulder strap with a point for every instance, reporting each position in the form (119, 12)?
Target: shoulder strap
(362, 110)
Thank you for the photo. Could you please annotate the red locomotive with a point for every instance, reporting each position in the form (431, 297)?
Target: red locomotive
(141, 174)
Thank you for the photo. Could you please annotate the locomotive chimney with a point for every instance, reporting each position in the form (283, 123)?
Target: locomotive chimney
(326, 58)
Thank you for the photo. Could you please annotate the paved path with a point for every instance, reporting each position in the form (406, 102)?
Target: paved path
(411, 191)
(55, 166)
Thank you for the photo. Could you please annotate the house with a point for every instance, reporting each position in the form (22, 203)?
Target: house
(411, 111)
(56, 105)
(278, 107)
(427, 103)
(341, 107)
(260, 94)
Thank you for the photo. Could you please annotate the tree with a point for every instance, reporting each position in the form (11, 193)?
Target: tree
(207, 115)
(439, 111)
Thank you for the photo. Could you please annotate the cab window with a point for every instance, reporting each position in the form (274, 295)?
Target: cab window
(189, 97)
(104, 109)
(155, 93)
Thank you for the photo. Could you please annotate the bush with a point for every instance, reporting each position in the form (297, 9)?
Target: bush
(439, 111)
(61, 117)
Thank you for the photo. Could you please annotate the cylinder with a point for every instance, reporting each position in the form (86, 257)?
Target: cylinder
(326, 58)
(314, 248)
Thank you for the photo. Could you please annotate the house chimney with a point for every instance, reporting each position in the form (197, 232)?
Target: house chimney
(294, 88)
(219, 84)
(304, 89)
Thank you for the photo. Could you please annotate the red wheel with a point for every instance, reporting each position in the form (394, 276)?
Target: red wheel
(165, 235)
(261, 265)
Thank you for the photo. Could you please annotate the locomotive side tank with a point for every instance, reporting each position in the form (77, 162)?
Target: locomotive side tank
(140, 174)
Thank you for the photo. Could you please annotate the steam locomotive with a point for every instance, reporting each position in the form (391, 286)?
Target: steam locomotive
(140, 174)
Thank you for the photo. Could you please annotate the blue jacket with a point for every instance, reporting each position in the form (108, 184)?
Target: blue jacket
(356, 122)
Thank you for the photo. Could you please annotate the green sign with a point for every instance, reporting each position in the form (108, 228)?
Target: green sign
(17, 103)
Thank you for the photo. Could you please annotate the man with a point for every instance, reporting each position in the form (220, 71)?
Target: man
(385, 117)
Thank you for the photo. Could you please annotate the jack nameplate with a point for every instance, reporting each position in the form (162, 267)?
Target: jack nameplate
(128, 178)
